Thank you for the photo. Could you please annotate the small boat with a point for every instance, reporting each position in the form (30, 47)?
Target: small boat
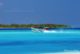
(36, 29)
(40, 29)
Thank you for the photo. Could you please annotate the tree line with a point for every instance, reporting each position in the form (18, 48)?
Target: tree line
(30, 25)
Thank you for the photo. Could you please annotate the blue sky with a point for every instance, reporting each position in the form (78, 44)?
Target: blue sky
(40, 11)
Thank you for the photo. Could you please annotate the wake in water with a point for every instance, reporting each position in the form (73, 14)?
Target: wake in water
(60, 31)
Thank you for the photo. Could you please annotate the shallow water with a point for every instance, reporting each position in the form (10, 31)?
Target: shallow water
(28, 42)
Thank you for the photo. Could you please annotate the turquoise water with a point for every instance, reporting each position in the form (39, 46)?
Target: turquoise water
(28, 42)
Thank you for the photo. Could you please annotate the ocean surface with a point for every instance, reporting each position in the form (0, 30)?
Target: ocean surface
(17, 41)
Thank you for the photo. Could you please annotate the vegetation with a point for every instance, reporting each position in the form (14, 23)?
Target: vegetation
(30, 25)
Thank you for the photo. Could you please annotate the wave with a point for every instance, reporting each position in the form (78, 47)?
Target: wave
(67, 52)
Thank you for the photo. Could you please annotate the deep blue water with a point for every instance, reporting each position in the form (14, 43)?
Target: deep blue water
(28, 42)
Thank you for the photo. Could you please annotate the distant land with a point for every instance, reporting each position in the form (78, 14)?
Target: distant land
(31, 25)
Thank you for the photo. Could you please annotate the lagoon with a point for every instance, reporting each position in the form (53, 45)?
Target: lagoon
(28, 42)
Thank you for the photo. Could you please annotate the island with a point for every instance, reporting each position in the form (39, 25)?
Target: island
(31, 25)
